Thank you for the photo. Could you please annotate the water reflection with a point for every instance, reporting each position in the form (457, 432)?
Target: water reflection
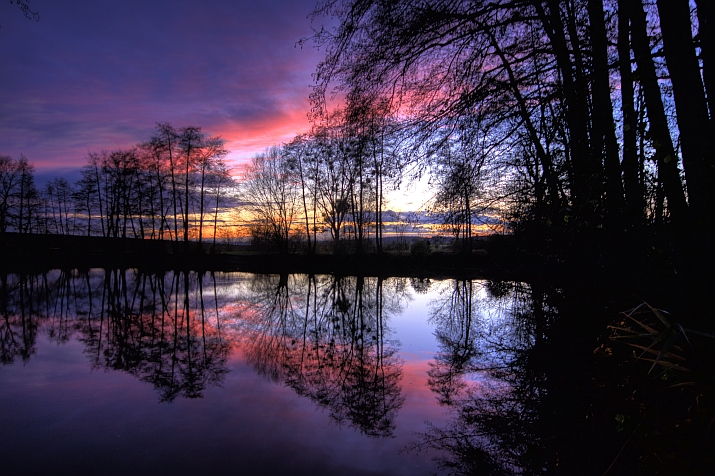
(325, 337)
(18, 328)
(481, 373)
(512, 364)
(528, 393)
(152, 326)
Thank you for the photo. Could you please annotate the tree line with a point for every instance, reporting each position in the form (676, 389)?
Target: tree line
(177, 186)
(330, 183)
(558, 117)
(327, 184)
(333, 184)
(574, 115)
(171, 187)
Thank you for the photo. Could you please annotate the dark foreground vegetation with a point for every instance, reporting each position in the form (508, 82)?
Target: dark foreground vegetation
(496, 255)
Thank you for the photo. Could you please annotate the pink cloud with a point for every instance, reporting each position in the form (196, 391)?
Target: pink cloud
(89, 77)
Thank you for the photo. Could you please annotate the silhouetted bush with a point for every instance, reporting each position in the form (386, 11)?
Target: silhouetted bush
(420, 248)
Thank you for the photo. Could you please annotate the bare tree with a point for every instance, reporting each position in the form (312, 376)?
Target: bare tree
(9, 183)
(210, 155)
(219, 181)
(458, 181)
(304, 161)
(24, 6)
(539, 74)
(165, 142)
(334, 189)
(59, 208)
(272, 197)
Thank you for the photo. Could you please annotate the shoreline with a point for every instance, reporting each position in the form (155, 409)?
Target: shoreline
(23, 252)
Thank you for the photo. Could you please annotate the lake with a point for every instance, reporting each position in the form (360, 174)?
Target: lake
(124, 372)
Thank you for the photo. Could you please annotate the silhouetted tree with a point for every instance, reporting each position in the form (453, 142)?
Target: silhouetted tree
(272, 196)
(334, 196)
(458, 179)
(219, 182)
(539, 74)
(304, 161)
(211, 171)
(9, 182)
(59, 207)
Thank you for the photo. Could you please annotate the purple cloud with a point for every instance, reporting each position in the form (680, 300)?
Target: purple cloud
(99, 75)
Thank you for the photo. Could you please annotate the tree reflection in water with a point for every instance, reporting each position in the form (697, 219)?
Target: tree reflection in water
(153, 326)
(528, 393)
(327, 338)
(487, 333)
(18, 327)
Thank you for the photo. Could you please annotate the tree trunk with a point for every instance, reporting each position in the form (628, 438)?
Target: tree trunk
(665, 156)
(586, 176)
(706, 35)
(603, 134)
(635, 204)
(691, 108)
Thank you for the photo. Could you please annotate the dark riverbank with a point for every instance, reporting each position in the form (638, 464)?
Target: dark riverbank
(33, 251)
(649, 267)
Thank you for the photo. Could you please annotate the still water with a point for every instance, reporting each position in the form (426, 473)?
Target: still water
(124, 372)
(120, 372)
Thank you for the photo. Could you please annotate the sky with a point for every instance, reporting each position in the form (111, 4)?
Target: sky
(92, 76)
(99, 75)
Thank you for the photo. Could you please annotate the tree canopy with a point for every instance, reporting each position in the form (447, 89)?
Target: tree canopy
(552, 86)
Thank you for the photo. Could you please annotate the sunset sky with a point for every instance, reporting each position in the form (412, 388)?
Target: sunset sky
(92, 76)
(99, 75)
